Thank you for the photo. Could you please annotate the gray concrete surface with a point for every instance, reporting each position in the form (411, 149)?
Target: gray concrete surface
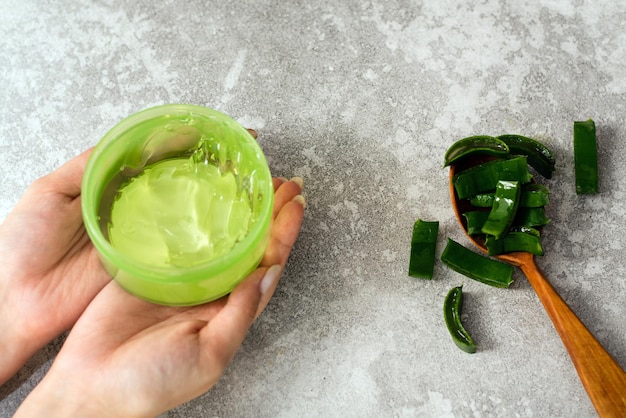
(361, 98)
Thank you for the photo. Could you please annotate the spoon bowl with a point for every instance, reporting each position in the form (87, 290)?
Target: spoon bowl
(602, 377)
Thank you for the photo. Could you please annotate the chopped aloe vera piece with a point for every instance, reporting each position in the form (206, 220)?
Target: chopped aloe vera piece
(452, 306)
(475, 145)
(506, 201)
(586, 157)
(475, 266)
(423, 246)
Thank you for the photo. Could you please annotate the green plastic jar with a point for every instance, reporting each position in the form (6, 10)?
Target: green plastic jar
(132, 199)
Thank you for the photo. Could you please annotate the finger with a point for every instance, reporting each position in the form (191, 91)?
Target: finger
(223, 336)
(268, 287)
(285, 230)
(66, 180)
(285, 193)
(254, 133)
(277, 181)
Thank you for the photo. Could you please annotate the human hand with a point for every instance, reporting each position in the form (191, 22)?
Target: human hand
(50, 270)
(128, 357)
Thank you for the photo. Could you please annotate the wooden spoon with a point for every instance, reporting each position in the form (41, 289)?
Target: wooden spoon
(603, 379)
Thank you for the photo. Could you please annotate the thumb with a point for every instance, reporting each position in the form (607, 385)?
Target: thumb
(65, 180)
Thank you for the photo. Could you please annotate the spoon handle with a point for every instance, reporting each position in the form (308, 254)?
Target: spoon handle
(603, 378)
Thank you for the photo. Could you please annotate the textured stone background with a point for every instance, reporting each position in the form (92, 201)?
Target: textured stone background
(361, 98)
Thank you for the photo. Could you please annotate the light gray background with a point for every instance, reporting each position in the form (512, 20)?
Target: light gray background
(361, 98)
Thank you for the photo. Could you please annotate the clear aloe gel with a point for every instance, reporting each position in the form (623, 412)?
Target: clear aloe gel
(179, 212)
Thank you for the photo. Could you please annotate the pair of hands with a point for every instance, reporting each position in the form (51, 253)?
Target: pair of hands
(124, 356)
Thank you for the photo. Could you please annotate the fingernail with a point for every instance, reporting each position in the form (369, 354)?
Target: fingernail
(300, 199)
(283, 179)
(254, 133)
(271, 277)
(299, 181)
